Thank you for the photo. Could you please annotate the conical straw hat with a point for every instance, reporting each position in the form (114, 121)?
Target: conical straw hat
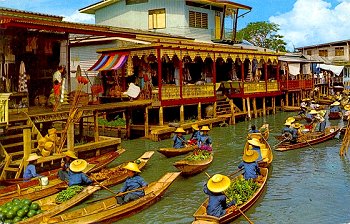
(133, 167)
(78, 165)
(70, 154)
(347, 107)
(180, 130)
(195, 127)
(290, 119)
(250, 156)
(218, 183)
(33, 157)
(255, 142)
(205, 128)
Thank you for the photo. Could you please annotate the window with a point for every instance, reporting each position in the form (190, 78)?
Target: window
(156, 19)
(132, 2)
(339, 51)
(198, 20)
(323, 53)
(308, 52)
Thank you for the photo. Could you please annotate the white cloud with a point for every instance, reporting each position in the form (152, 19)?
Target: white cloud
(314, 22)
(78, 17)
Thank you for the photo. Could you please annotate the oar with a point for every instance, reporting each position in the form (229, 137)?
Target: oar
(119, 194)
(246, 217)
(280, 142)
(234, 173)
(305, 140)
(101, 185)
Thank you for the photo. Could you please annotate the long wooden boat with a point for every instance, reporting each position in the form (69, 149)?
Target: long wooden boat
(190, 168)
(95, 164)
(51, 208)
(325, 101)
(107, 210)
(334, 115)
(171, 152)
(233, 213)
(266, 152)
(266, 132)
(291, 108)
(310, 139)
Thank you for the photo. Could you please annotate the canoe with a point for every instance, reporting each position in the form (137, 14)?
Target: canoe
(95, 164)
(190, 168)
(310, 139)
(265, 133)
(302, 117)
(233, 213)
(33, 190)
(171, 152)
(325, 101)
(290, 108)
(266, 152)
(51, 208)
(117, 175)
(334, 115)
(107, 210)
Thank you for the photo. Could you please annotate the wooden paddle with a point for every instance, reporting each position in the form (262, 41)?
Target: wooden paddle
(119, 194)
(234, 173)
(239, 209)
(101, 185)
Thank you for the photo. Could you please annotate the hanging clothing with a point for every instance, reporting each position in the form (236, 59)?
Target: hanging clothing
(22, 80)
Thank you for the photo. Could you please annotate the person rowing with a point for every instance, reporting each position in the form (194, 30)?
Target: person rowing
(179, 139)
(253, 129)
(256, 144)
(204, 141)
(69, 157)
(76, 176)
(334, 107)
(30, 170)
(195, 135)
(250, 165)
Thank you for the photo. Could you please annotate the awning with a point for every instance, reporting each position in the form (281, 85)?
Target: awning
(109, 62)
(294, 68)
(333, 68)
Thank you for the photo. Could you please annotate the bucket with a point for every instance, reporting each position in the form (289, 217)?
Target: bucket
(44, 181)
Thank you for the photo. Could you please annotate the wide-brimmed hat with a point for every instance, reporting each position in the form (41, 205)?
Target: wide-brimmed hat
(195, 127)
(290, 119)
(180, 130)
(218, 183)
(297, 125)
(255, 142)
(70, 154)
(42, 141)
(133, 167)
(336, 103)
(347, 107)
(32, 157)
(287, 123)
(313, 112)
(205, 128)
(322, 112)
(313, 101)
(304, 99)
(52, 131)
(78, 165)
(307, 99)
(250, 156)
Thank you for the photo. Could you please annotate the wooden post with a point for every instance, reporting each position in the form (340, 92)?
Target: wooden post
(233, 118)
(81, 128)
(293, 96)
(299, 97)
(199, 109)
(182, 114)
(244, 106)
(161, 120)
(27, 142)
(70, 137)
(264, 106)
(146, 123)
(159, 74)
(127, 121)
(287, 100)
(215, 105)
(248, 107)
(254, 108)
(274, 105)
(96, 134)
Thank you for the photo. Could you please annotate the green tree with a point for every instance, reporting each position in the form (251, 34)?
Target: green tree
(263, 34)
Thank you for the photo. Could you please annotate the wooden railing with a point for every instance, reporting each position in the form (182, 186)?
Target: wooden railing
(272, 86)
(196, 91)
(254, 87)
(170, 92)
(4, 108)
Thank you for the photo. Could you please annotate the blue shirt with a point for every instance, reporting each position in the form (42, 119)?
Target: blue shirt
(30, 172)
(133, 183)
(79, 178)
(179, 142)
(335, 109)
(196, 135)
(251, 170)
(204, 140)
(295, 133)
(217, 203)
(287, 129)
(254, 131)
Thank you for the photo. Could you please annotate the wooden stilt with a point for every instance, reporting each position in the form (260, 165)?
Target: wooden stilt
(298, 98)
(254, 108)
(27, 142)
(244, 106)
(264, 106)
(274, 105)
(287, 100)
(248, 107)
(81, 128)
(161, 118)
(293, 96)
(146, 123)
(233, 119)
(96, 134)
(70, 137)
(182, 114)
(215, 106)
(199, 109)
(127, 121)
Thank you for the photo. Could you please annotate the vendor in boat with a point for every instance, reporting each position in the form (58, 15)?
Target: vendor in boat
(347, 112)
(76, 175)
(204, 141)
(195, 135)
(69, 157)
(214, 188)
(313, 105)
(335, 107)
(133, 182)
(253, 129)
(255, 143)
(250, 165)
(297, 132)
(179, 139)
(30, 170)
(303, 107)
(320, 120)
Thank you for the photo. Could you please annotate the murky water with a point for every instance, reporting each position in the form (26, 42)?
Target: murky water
(310, 185)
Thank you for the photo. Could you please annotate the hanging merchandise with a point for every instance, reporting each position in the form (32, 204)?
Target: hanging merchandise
(22, 80)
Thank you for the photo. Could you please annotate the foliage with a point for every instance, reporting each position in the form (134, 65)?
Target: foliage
(198, 155)
(67, 194)
(241, 190)
(263, 34)
(118, 121)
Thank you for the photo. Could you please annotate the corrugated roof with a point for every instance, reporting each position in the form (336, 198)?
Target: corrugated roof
(325, 44)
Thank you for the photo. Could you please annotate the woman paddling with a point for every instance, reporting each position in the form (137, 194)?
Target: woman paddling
(179, 139)
(63, 173)
(30, 171)
(204, 141)
(76, 175)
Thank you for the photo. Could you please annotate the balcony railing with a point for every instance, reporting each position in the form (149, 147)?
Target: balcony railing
(272, 86)
(254, 87)
(196, 91)
(170, 92)
(4, 108)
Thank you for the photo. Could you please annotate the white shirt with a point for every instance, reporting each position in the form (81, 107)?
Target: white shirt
(57, 76)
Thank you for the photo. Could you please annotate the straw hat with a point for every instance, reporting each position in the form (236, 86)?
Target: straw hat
(287, 123)
(250, 156)
(133, 167)
(297, 125)
(49, 146)
(32, 157)
(70, 154)
(322, 112)
(195, 127)
(52, 131)
(255, 142)
(313, 101)
(313, 112)
(205, 128)
(78, 165)
(42, 141)
(304, 100)
(336, 103)
(347, 107)
(290, 119)
(218, 183)
(180, 130)
(307, 99)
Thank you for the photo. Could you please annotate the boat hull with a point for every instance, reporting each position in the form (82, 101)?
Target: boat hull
(172, 152)
(190, 168)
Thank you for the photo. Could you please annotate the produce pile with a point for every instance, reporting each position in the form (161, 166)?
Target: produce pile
(108, 173)
(18, 210)
(67, 194)
(198, 155)
(118, 121)
(241, 190)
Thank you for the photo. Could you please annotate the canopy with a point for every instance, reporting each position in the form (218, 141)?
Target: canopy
(333, 68)
(110, 61)
(294, 68)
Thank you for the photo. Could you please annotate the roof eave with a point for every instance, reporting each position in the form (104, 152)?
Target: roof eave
(91, 9)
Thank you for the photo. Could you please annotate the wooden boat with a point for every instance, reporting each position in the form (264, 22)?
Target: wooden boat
(95, 164)
(291, 108)
(310, 139)
(325, 101)
(190, 168)
(51, 208)
(266, 152)
(171, 152)
(265, 133)
(201, 216)
(107, 210)
(334, 115)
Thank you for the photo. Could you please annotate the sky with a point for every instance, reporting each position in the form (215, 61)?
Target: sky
(301, 22)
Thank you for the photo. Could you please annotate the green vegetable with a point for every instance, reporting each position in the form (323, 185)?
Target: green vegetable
(241, 190)
(34, 206)
(67, 194)
(198, 155)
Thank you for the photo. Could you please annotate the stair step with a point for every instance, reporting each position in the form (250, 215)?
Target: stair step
(8, 137)
(13, 145)
(19, 153)
(11, 169)
(19, 127)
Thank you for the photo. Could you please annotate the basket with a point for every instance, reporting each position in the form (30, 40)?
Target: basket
(49, 146)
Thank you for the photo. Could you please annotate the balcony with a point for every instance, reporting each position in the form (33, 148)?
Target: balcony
(170, 92)
(296, 85)
(272, 86)
(254, 87)
(196, 91)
